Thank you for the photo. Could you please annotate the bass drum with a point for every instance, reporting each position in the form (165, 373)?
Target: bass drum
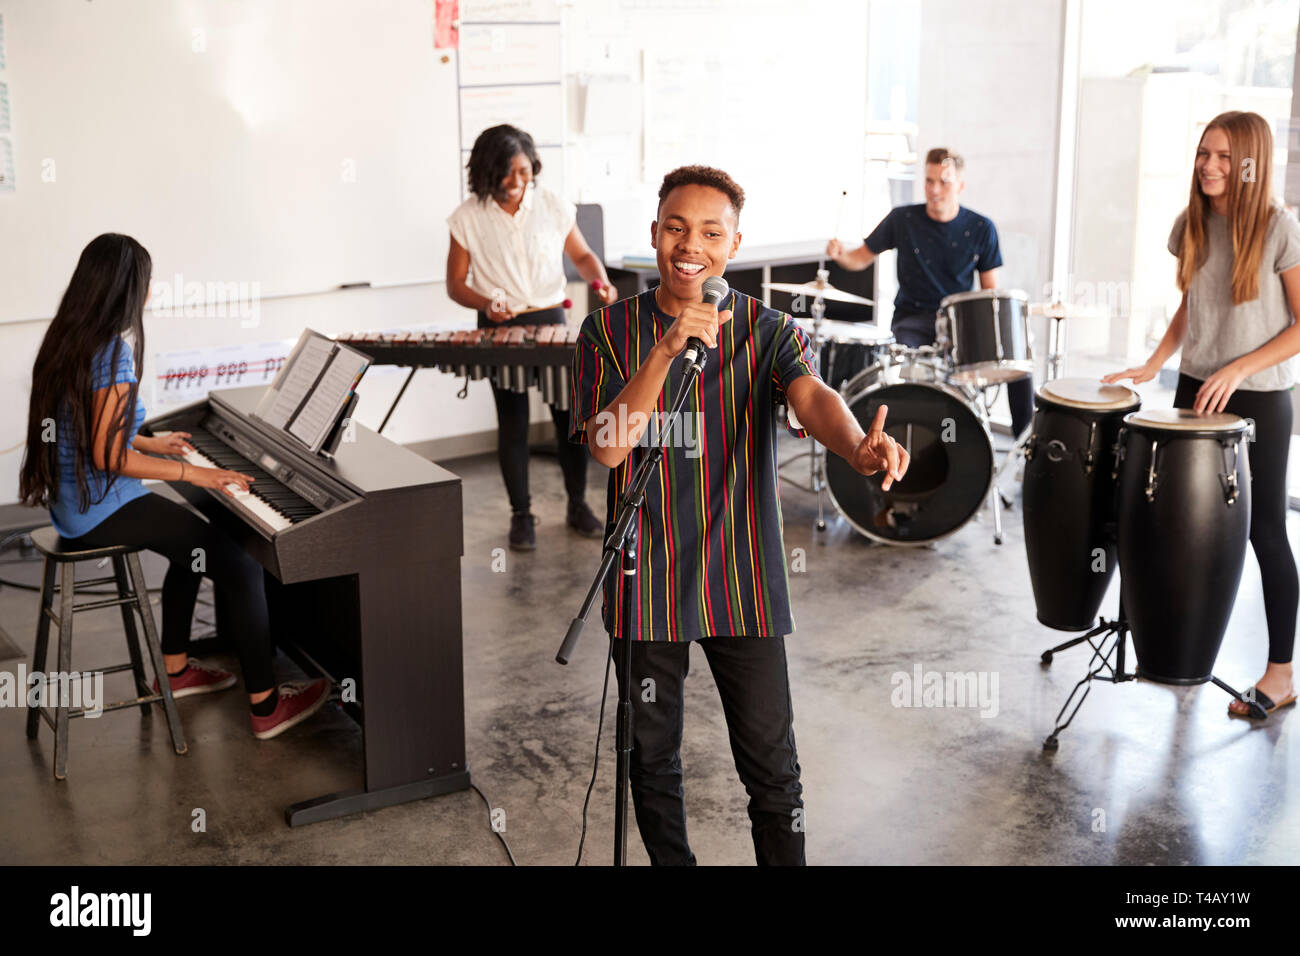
(949, 475)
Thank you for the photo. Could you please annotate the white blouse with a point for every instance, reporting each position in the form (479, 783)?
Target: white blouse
(523, 254)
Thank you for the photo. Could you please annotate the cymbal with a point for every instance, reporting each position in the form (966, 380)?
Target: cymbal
(846, 331)
(817, 290)
(1064, 310)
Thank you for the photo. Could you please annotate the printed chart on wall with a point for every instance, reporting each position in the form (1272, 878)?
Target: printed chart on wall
(510, 71)
(187, 376)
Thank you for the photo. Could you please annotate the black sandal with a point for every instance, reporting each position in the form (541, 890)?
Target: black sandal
(1260, 704)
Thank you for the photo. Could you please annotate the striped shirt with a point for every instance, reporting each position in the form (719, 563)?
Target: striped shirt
(710, 560)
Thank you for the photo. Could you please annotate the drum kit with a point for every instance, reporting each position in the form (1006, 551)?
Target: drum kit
(1164, 495)
(939, 399)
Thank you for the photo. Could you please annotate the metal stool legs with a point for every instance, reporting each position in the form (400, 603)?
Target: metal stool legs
(155, 652)
(132, 598)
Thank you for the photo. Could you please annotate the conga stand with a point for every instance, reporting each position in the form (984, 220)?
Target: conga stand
(1108, 641)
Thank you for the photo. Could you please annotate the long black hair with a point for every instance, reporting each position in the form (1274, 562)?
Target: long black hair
(490, 159)
(104, 300)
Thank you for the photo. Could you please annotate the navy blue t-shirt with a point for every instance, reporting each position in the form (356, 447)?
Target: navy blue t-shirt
(935, 259)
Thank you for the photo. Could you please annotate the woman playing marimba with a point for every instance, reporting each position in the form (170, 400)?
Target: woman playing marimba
(506, 261)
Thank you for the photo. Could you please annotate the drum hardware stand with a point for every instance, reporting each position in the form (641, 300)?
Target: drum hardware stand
(622, 544)
(816, 455)
(1116, 632)
(996, 501)
(1114, 673)
(1055, 312)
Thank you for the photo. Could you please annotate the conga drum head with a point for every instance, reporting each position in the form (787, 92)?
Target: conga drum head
(1183, 421)
(1088, 395)
(947, 480)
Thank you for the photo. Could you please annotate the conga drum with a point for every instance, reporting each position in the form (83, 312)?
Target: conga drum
(1183, 525)
(1069, 497)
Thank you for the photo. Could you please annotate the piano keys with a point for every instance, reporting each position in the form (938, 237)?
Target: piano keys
(362, 558)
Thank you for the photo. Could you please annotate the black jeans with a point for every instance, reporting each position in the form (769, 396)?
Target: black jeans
(512, 449)
(1268, 505)
(755, 689)
(1020, 393)
(160, 525)
(512, 428)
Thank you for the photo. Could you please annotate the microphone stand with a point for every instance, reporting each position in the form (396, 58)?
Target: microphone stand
(622, 541)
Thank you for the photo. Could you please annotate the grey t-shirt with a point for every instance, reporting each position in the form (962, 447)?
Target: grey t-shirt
(1219, 332)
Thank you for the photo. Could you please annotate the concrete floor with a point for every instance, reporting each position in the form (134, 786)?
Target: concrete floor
(1147, 774)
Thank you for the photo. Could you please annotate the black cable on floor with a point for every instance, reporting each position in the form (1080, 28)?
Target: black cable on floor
(498, 835)
(595, 763)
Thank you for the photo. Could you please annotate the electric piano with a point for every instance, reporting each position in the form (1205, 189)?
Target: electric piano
(362, 556)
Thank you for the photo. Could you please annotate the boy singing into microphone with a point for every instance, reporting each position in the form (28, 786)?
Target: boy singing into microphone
(711, 562)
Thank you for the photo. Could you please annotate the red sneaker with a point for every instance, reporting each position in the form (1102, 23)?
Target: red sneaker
(298, 701)
(199, 678)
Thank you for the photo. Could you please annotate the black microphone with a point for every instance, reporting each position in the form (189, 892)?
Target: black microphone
(714, 290)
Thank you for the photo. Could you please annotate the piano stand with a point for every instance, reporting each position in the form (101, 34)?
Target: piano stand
(342, 804)
(361, 554)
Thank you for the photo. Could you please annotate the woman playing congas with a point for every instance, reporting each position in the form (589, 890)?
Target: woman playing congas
(1239, 271)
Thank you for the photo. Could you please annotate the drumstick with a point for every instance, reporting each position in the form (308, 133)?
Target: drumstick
(839, 218)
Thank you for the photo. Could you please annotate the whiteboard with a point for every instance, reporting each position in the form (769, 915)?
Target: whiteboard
(296, 144)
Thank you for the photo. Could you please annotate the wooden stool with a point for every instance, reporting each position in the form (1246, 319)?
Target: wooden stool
(125, 559)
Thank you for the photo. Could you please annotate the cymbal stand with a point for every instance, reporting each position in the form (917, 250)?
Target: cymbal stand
(1055, 365)
(816, 455)
(995, 493)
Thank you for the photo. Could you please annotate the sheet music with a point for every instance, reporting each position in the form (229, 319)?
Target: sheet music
(300, 375)
(319, 414)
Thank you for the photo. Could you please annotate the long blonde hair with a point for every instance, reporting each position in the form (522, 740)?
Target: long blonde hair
(1250, 205)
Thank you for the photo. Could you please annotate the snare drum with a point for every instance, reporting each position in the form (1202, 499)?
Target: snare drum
(950, 472)
(1184, 521)
(847, 348)
(987, 336)
(1069, 497)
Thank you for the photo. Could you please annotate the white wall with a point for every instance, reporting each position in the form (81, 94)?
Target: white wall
(990, 90)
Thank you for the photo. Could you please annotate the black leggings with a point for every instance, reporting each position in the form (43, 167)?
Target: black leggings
(512, 429)
(1268, 505)
(512, 449)
(157, 524)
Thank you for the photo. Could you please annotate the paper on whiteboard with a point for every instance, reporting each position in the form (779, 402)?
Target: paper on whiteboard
(6, 165)
(537, 109)
(188, 375)
(472, 11)
(506, 54)
(613, 106)
(2, 41)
